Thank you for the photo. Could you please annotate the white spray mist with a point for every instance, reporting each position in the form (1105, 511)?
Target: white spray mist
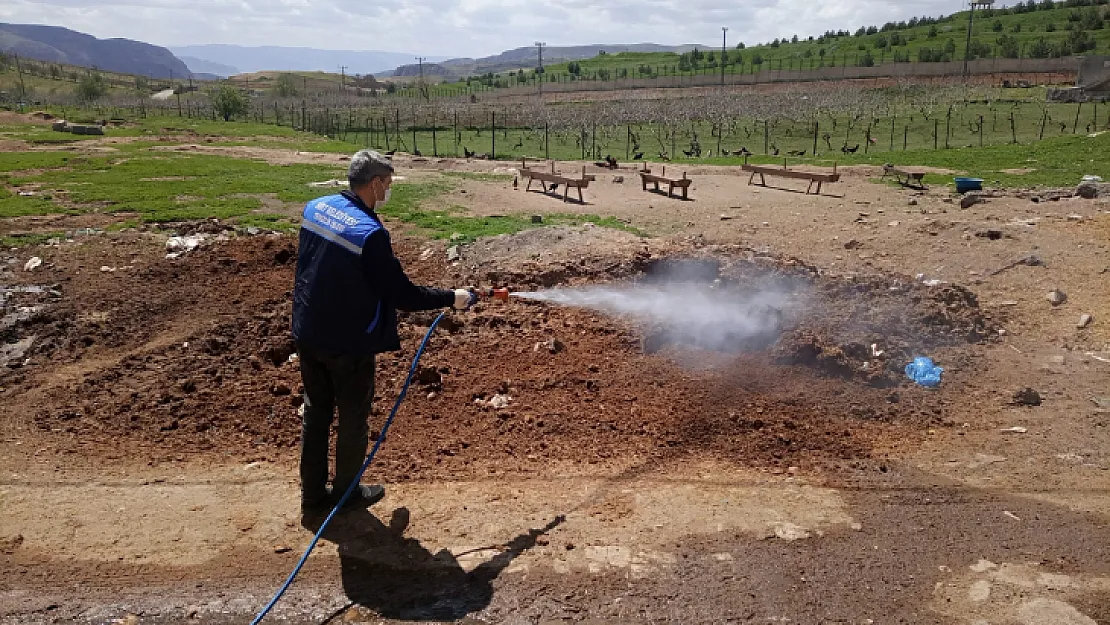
(690, 314)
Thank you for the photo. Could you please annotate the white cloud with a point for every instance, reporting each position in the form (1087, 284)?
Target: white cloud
(459, 27)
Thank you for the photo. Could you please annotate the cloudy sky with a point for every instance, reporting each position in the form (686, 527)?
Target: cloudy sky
(459, 27)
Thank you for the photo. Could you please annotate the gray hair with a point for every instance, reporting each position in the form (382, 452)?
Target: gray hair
(367, 165)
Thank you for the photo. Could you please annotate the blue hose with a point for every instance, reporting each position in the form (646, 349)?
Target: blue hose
(354, 483)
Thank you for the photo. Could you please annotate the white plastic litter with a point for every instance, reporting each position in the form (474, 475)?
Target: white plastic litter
(177, 246)
(1092, 178)
(32, 263)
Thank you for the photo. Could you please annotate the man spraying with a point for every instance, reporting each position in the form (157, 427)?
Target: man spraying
(349, 286)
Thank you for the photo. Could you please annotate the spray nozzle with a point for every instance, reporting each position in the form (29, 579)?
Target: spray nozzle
(501, 294)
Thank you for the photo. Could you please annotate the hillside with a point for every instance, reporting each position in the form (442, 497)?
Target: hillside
(526, 58)
(62, 45)
(265, 58)
(1029, 30)
(1035, 30)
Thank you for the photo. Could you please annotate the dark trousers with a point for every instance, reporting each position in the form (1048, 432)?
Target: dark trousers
(333, 381)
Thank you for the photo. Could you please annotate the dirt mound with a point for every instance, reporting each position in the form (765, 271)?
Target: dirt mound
(193, 356)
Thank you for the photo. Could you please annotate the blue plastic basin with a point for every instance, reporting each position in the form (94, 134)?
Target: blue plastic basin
(963, 185)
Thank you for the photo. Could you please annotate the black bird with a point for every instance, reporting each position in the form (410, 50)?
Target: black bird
(554, 185)
(417, 153)
(797, 152)
(467, 152)
(637, 156)
(853, 150)
(690, 153)
(519, 143)
(391, 152)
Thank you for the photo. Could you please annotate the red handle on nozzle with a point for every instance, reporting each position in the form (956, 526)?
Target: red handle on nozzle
(501, 294)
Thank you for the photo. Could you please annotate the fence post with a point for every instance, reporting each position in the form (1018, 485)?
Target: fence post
(936, 133)
(905, 136)
(435, 149)
(980, 131)
(816, 126)
(493, 135)
(546, 142)
(766, 138)
(1013, 127)
(456, 134)
(415, 148)
(1078, 109)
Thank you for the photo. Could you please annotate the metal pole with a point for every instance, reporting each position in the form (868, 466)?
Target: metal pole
(724, 52)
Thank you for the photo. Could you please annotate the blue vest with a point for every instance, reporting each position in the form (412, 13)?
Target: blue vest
(334, 308)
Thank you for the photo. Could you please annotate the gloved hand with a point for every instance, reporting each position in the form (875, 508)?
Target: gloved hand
(465, 298)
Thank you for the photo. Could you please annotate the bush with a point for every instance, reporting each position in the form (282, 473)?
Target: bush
(229, 102)
(1008, 47)
(91, 87)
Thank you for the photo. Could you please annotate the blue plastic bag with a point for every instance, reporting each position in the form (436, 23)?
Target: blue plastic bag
(924, 372)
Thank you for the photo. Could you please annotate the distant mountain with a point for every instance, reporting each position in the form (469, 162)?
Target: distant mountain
(200, 66)
(62, 45)
(525, 57)
(257, 59)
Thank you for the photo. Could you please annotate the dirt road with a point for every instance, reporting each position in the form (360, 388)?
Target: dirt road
(149, 433)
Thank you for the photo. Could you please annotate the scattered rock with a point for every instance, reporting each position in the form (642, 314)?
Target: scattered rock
(1075, 217)
(790, 532)
(537, 219)
(618, 179)
(1056, 297)
(12, 354)
(554, 346)
(982, 566)
(453, 254)
(281, 389)
(1088, 190)
(971, 199)
(9, 544)
(188, 386)
(993, 235)
(1084, 321)
(499, 401)
(913, 202)
(32, 263)
(429, 376)
(1027, 397)
(852, 244)
(282, 549)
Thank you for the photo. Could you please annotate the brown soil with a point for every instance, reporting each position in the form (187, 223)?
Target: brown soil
(149, 432)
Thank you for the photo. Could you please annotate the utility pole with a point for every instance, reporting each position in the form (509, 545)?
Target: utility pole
(22, 89)
(539, 70)
(974, 4)
(342, 77)
(420, 84)
(724, 52)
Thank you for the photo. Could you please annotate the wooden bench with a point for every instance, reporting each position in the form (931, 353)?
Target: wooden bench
(554, 178)
(911, 179)
(682, 183)
(767, 170)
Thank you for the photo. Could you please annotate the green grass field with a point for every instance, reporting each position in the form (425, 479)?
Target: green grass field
(143, 186)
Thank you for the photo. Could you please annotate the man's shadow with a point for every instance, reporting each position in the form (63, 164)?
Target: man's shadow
(398, 578)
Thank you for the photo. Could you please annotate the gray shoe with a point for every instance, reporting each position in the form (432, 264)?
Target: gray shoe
(364, 496)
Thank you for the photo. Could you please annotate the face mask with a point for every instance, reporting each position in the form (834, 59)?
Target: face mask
(381, 203)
